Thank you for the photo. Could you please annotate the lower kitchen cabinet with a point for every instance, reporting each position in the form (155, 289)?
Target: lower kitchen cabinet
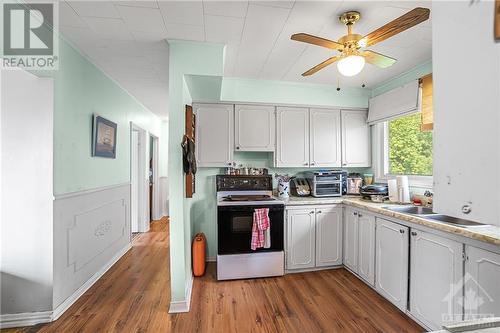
(391, 258)
(482, 283)
(436, 271)
(351, 239)
(314, 237)
(328, 236)
(366, 248)
(300, 252)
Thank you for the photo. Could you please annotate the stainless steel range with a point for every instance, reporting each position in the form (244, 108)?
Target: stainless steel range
(237, 199)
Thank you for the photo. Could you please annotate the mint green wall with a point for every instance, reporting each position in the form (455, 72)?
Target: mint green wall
(397, 81)
(280, 92)
(81, 89)
(196, 59)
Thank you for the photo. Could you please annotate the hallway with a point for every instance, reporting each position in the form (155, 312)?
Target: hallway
(133, 296)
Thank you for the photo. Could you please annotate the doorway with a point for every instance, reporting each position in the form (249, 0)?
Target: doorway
(139, 181)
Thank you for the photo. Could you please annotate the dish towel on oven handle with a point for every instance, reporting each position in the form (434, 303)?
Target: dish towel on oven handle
(261, 236)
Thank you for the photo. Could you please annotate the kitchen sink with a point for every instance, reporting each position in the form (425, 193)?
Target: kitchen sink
(412, 210)
(454, 221)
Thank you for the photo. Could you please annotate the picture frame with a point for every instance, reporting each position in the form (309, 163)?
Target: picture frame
(103, 137)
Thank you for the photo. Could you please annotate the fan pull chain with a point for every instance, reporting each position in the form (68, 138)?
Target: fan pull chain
(338, 84)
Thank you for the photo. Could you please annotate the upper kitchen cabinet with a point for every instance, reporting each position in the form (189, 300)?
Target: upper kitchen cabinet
(254, 128)
(292, 146)
(214, 135)
(356, 150)
(466, 117)
(325, 142)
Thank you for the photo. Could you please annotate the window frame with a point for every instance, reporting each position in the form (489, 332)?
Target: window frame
(380, 139)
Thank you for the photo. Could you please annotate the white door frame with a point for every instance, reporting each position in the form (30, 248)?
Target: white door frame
(143, 185)
(156, 179)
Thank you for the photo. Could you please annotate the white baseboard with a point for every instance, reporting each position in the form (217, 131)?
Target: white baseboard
(90, 282)
(25, 319)
(183, 306)
(211, 259)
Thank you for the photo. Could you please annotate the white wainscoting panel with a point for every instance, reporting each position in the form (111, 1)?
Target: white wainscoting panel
(90, 229)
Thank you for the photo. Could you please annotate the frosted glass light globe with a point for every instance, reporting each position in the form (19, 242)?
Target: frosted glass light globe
(351, 65)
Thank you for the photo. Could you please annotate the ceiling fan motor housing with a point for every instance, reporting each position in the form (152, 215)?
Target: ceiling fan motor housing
(350, 17)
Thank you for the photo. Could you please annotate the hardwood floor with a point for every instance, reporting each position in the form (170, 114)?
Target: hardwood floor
(134, 295)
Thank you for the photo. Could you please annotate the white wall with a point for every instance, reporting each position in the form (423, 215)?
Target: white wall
(26, 192)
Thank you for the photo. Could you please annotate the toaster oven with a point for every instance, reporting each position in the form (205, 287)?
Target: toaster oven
(326, 183)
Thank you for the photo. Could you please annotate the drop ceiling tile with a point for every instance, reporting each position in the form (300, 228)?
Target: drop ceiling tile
(279, 4)
(95, 8)
(225, 8)
(185, 31)
(82, 37)
(108, 28)
(142, 19)
(223, 29)
(151, 36)
(68, 16)
(137, 3)
(183, 12)
(262, 28)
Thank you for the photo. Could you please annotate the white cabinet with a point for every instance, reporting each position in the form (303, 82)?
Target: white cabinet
(328, 236)
(466, 143)
(351, 239)
(366, 248)
(314, 237)
(325, 143)
(214, 135)
(482, 283)
(356, 147)
(436, 271)
(292, 146)
(254, 128)
(300, 239)
(391, 273)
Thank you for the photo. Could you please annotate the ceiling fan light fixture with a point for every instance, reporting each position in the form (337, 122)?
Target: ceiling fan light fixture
(351, 65)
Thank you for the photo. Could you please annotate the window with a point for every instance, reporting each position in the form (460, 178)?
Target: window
(410, 149)
(402, 148)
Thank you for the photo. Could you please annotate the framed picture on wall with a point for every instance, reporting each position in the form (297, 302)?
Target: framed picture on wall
(103, 137)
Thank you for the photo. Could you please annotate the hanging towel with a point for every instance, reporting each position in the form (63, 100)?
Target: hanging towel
(259, 227)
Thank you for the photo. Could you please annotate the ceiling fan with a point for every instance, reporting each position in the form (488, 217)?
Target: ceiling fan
(352, 59)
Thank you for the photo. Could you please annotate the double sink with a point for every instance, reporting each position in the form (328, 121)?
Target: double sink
(428, 214)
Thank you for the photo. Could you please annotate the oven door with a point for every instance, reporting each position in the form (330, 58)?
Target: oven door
(234, 228)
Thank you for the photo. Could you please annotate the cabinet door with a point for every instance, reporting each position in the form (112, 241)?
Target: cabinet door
(254, 128)
(325, 145)
(292, 149)
(366, 240)
(436, 270)
(356, 147)
(351, 239)
(482, 278)
(214, 135)
(328, 236)
(300, 239)
(391, 273)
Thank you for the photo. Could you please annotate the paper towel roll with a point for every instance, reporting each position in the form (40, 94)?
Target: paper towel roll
(403, 189)
(393, 190)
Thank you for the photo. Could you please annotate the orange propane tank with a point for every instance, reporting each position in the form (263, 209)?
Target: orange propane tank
(199, 249)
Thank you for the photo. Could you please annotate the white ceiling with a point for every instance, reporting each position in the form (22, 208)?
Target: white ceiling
(127, 39)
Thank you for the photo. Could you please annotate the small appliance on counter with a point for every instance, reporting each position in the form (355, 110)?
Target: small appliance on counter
(300, 187)
(354, 183)
(326, 183)
(374, 191)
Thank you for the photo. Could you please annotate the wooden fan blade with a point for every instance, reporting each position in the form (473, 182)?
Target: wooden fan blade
(315, 40)
(402, 23)
(322, 65)
(378, 59)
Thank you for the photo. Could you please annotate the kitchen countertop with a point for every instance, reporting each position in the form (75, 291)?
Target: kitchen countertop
(487, 233)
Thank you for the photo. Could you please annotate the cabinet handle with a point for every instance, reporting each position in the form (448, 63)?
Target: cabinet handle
(402, 231)
(237, 147)
(311, 212)
(466, 209)
(359, 215)
(318, 212)
(413, 233)
(230, 163)
(312, 163)
(355, 213)
(306, 163)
